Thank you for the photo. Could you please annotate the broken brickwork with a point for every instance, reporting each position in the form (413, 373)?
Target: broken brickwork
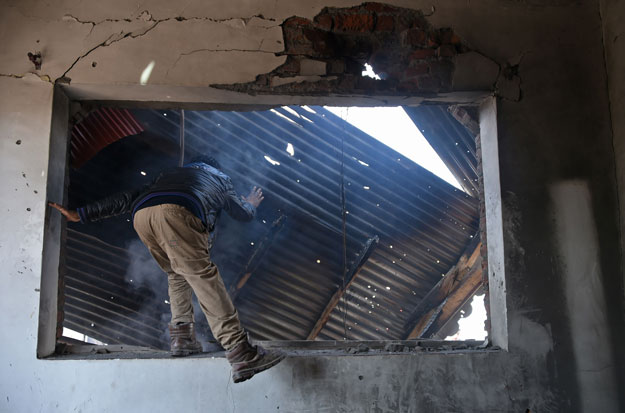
(327, 55)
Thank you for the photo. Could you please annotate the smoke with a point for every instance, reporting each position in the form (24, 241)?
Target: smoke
(144, 274)
(143, 271)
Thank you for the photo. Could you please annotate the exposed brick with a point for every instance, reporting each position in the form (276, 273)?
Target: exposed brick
(296, 21)
(441, 67)
(414, 37)
(418, 70)
(385, 24)
(353, 10)
(396, 41)
(422, 54)
(445, 36)
(446, 50)
(295, 42)
(433, 41)
(291, 66)
(408, 85)
(353, 67)
(380, 8)
(354, 22)
(336, 67)
(322, 44)
(263, 80)
(381, 60)
(429, 83)
(324, 21)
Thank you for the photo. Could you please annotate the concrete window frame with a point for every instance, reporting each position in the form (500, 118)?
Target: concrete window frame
(165, 97)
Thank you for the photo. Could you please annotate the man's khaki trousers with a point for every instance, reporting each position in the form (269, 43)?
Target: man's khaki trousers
(178, 241)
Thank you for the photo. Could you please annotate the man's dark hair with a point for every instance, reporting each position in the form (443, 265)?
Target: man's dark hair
(209, 160)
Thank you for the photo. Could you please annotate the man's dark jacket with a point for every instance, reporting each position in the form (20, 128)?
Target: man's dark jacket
(207, 186)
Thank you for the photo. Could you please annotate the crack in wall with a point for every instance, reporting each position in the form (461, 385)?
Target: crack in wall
(611, 115)
(70, 17)
(605, 30)
(147, 17)
(45, 78)
(181, 55)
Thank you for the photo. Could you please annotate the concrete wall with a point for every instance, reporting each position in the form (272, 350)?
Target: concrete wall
(558, 183)
(612, 13)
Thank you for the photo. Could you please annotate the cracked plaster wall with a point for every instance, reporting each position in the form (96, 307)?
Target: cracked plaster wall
(555, 130)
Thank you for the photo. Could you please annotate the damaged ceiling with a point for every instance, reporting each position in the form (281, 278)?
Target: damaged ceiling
(309, 266)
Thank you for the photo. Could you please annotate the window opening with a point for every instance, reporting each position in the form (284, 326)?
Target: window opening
(406, 229)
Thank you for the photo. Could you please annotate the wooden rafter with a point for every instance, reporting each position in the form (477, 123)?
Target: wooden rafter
(256, 257)
(449, 295)
(351, 275)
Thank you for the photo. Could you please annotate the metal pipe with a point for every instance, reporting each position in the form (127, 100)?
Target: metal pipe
(181, 161)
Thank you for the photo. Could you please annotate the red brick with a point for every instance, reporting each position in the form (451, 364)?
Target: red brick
(403, 23)
(415, 37)
(441, 67)
(433, 41)
(446, 50)
(385, 24)
(429, 83)
(422, 54)
(291, 66)
(354, 22)
(296, 43)
(445, 36)
(336, 67)
(380, 8)
(324, 21)
(296, 21)
(408, 85)
(418, 70)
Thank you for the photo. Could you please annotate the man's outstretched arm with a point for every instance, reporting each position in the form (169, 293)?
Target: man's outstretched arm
(244, 208)
(71, 215)
(255, 197)
(110, 206)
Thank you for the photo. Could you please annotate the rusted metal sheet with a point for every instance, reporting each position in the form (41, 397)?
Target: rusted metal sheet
(101, 128)
(102, 302)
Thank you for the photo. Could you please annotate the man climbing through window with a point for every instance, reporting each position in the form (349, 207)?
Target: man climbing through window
(175, 218)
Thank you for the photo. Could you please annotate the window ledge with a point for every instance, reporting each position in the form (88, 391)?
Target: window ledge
(292, 348)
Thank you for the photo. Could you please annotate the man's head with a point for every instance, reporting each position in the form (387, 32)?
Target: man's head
(209, 160)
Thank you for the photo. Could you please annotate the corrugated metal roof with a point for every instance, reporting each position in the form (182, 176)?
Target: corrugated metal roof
(101, 128)
(101, 299)
(423, 223)
(451, 140)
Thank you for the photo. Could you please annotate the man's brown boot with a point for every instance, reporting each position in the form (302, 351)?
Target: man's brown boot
(183, 342)
(247, 360)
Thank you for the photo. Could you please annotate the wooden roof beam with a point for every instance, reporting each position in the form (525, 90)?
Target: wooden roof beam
(447, 297)
(351, 275)
(257, 257)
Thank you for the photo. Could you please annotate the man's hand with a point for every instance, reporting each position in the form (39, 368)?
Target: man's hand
(71, 216)
(255, 197)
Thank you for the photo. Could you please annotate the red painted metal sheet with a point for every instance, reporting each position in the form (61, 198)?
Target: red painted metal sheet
(98, 130)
